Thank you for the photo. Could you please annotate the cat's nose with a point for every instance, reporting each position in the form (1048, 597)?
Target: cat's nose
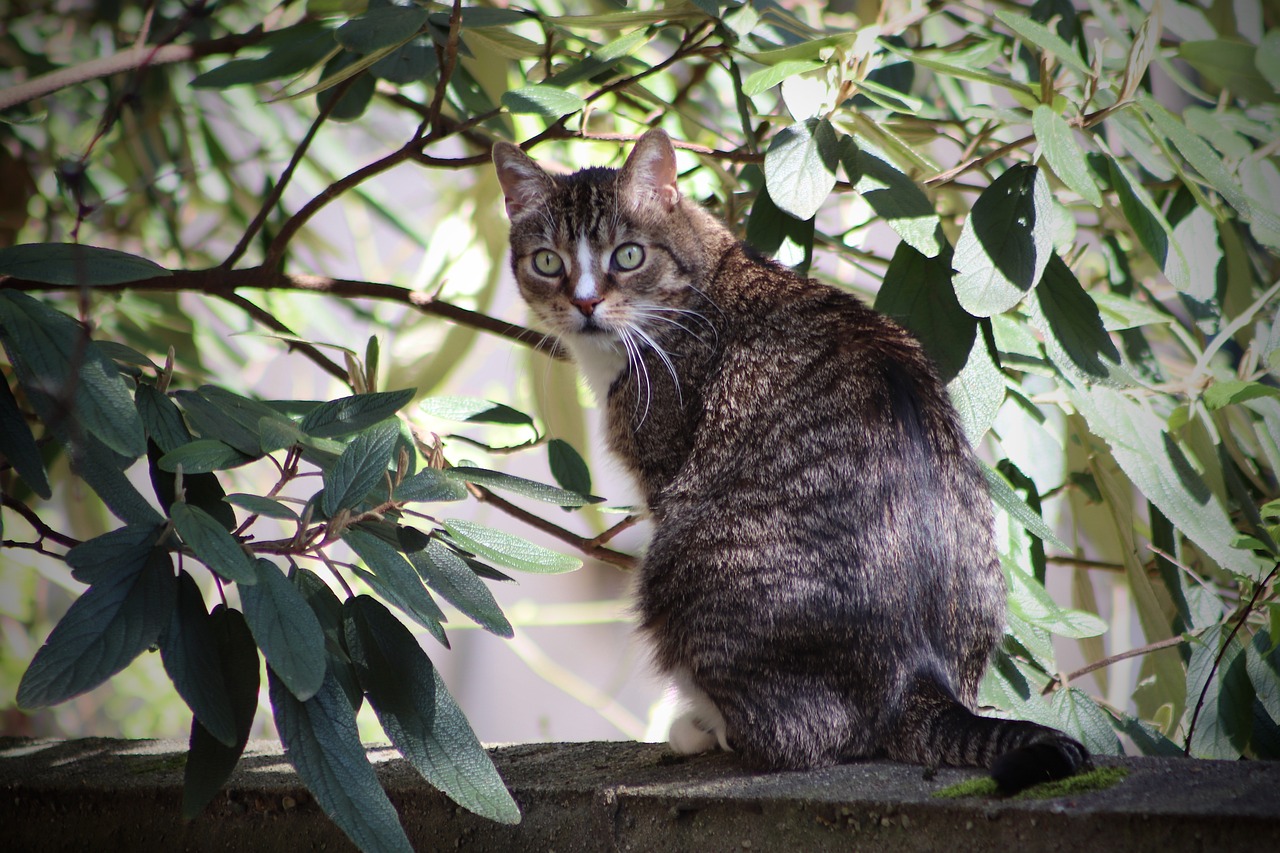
(587, 305)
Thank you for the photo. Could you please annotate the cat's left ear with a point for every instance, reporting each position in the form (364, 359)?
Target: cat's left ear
(524, 184)
(649, 175)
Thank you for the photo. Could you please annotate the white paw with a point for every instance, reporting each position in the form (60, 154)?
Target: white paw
(688, 737)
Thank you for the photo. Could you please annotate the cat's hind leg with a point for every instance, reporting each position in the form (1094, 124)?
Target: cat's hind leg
(700, 727)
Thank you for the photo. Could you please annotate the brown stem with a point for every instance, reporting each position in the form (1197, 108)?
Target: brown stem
(44, 530)
(1116, 658)
(222, 283)
(590, 547)
(126, 60)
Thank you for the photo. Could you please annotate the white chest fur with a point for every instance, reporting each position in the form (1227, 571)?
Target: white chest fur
(600, 359)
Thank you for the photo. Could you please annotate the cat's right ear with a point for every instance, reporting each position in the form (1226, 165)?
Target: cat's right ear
(523, 182)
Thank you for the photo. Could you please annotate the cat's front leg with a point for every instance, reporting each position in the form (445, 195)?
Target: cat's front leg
(700, 727)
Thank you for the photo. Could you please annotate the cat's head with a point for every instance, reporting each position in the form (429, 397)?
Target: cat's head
(602, 252)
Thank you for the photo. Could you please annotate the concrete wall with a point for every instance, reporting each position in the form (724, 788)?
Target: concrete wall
(104, 795)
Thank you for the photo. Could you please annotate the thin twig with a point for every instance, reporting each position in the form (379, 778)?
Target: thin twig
(590, 547)
(44, 530)
(1064, 680)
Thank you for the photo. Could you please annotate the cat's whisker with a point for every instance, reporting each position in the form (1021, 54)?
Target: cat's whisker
(666, 360)
(641, 370)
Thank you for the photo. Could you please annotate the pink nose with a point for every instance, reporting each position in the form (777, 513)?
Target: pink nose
(587, 305)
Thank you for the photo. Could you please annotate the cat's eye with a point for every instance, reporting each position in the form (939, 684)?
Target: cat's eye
(628, 256)
(547, 262)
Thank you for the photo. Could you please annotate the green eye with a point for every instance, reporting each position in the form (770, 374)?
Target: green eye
(628, 256)
(547, 262)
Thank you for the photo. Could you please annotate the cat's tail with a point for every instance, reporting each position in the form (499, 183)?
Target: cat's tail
(936, 729)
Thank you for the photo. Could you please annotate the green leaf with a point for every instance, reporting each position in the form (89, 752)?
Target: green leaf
(328, 610)
(418, 714)
(897, 200)
(290, 51)
(813, 49)
(209, 762)
(568, 467)
(258, 505)
(381, 26)
(75, 265)
(322, 743)
(160, 418)
(1079, 716)
(190, 654)
(395, 580)
(917, 292)
(215, 419)
(474, 410)
(1073, 332)
(546, 101)
(601, 60)
(1225, 723)
(766, 78)
(354, 100)
(66, 377)
(1058, 144)
(1263, 665)
(1005, 242)
(214, 546)
(954, 64)
(361, 468)
(430, 485)
(1029, 599)
(1231, 64)
(203, 456)
(1148, 739)
(1153, 460)
(451, 578)
(97, 465)
(507, 550)
(412, 62)
(519, 485)
(117, 553)
(110, 624)
(1044, 38)
(800, 167)
(352, 414)
(285, 629)
(1154, 232)
(1120, 312)
(1008, 500)
(1227, 392)
(977, 391)
(18, 445)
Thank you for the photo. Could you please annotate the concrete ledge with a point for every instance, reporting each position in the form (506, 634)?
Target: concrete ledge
(126, 795)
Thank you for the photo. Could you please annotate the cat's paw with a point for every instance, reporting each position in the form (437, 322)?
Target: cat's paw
(692, 734)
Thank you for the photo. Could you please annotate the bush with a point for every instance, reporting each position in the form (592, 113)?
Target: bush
(1074, 208)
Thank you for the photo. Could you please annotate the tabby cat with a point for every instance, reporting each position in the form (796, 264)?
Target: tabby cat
(822, 583)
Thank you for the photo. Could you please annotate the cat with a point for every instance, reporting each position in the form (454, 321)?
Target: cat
(822, 582)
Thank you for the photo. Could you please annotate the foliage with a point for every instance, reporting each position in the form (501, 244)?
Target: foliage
(1083, 199)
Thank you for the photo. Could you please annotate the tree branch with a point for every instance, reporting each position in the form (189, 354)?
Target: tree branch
(222, 283)
(590, 547)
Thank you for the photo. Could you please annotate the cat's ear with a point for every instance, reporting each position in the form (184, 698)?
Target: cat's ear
(523, 182)
(649, 175)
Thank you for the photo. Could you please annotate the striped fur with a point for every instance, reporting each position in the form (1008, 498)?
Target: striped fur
(822, 579)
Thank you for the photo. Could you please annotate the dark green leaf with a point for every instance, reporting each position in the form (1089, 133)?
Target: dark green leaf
(262, 506)
(74, 264)
(328, 610)
(601, 60)
(451, 578)
(1044, 38)
(518, 485)
(474, 410)
(66, 377)
(190, 654)
(1153, 231)
(1148, 739)
(285, 629)
(478, 17)
(800, 167)
(1058, 144)
(394, 579)
(418, 714)
(568, 467)
(209, 762)
(213, 545)
(381, 26)
(430, 485)
(1005, 243)
(1225, 723)
(160, 418)
(1263, 665)
(1073, 332)
(109, 625)
(897, 200)
(361, 468)
(322, 743)
(546, 101)
(768, 227)
(211, 420)
(119, 553)
(917, 293)
(96, 464)
(412, 62)
(1004, 495)
(203, 456)
(291, 51)
(507, 550)
(352, 414)
(344, 78)
(18, 445)
(201, 490)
